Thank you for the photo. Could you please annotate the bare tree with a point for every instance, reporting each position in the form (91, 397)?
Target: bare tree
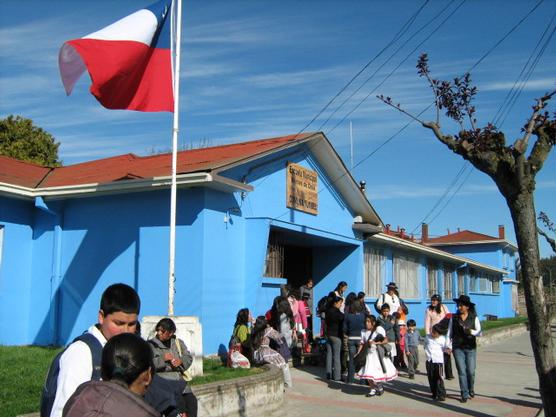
(513, 169)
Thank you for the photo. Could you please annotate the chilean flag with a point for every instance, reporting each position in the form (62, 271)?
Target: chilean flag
(129, 62)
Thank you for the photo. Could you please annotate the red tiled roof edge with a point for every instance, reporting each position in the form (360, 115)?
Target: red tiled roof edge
(462, 237)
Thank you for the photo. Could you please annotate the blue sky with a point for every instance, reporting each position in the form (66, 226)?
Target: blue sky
(257, 69)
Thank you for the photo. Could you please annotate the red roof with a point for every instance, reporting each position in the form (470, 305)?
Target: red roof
(130, 166)
(25, 174)
(461, 237)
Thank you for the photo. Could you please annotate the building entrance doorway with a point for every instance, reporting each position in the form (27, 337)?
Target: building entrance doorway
(298, 265)
(288, 258)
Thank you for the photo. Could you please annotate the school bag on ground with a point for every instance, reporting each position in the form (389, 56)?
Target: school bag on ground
(236, 357)
(51, 381)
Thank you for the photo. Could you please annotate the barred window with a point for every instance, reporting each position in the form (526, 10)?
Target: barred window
(432, 279)
(274, 261)
(406, 275)
(375, 265)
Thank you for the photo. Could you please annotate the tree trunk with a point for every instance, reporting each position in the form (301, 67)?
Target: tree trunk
(522, 209)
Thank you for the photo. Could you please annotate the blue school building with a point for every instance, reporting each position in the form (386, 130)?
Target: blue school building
(251, 217)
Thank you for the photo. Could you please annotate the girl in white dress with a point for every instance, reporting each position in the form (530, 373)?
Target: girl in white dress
(375, 371)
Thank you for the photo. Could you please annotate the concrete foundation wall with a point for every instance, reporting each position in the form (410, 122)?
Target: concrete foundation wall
(258, 395)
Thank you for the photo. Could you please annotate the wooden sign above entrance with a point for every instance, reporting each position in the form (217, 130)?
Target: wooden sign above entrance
(301, 189)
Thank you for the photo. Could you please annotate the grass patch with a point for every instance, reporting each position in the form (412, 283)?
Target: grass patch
(23, 369)
(213, 371)
(22, 373)
(494, 324)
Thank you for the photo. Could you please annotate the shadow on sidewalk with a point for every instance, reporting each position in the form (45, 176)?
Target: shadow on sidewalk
(405, 390)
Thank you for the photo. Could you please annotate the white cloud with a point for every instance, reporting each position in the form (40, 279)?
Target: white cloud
(531, 85)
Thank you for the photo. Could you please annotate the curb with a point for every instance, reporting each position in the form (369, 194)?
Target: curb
(246, 396)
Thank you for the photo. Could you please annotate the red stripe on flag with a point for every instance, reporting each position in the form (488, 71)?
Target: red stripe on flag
(128, 75)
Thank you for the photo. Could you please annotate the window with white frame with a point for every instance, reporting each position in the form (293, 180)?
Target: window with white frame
(472, 280)
(495, 284)
(485, 283)
(448, 281)
(375, 265)
(432, 279)
(461, 282)
(406, 275)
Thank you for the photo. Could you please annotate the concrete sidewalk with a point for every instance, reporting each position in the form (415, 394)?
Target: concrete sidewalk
(506, 384)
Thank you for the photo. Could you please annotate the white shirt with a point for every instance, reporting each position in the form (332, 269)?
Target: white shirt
(392, 300)
(76, 367)
(434, 348)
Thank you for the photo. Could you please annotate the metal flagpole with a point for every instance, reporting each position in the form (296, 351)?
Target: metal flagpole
(175, 130)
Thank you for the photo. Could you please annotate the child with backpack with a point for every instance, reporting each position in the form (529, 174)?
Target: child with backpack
(80, 361)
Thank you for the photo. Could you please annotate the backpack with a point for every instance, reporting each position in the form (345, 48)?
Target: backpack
(51, 381)
(322, 305)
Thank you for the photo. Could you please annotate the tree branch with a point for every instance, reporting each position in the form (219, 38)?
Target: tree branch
(550, 241)
(447, 140)
(541, 149)
(521, 144)
(388, 101)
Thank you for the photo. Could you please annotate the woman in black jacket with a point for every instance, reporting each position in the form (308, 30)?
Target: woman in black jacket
(465, 328)
(334, 324)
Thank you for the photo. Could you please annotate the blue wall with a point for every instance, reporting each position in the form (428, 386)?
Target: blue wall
(65, 253)
(59, 257)
(15, 271)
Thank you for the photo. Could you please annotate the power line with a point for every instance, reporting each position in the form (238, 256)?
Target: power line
(451, 197)
(444, 194)
(487, 53)
(430, 105)
(514, 93)
(458, 175)
(384, 63)
(399, 65)
(396, 37)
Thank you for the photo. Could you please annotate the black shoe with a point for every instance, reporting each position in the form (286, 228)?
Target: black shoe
(441, 399)
(463, 400)
(411, 376)
(328, 376)
(471, 394)
(449, 377)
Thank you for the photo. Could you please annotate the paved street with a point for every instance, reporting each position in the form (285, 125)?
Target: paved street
(506, 385)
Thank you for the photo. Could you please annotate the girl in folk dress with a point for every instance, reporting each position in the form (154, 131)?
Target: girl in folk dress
(378, 368)
(262, 352)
